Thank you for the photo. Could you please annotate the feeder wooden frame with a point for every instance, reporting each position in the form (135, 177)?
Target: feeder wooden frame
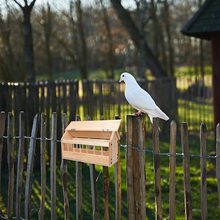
(94, 142)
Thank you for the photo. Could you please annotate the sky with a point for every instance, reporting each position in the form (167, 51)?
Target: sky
(60, 4)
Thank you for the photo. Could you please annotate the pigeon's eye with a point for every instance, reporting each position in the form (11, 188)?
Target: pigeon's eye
(123, 75)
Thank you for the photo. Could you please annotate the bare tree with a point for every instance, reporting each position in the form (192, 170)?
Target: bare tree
(28, 38)
(138, 38)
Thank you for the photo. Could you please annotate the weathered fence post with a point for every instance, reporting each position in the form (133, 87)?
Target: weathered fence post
(30, 167)
(20, 165)
(218, 161)
(42, 165)
(2, 131)
(186, 167)
(172, 179)
(203, 175)
(135, 168)
(53, 161)
(156, 146)
(64, 175)
(79, 212)
(10, 165)
(117, 174)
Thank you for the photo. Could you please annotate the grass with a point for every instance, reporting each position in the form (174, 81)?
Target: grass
(213, 212)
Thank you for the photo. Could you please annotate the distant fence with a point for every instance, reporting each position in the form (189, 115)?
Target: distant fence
(32, 196)
(185, 99)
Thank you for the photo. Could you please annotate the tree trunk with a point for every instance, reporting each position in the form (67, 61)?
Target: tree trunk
(82, 42)
(138, 39)
(110, 55)
(28, 45)
(47, 35)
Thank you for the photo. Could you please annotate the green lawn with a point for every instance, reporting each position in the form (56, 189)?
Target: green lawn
(150, 192)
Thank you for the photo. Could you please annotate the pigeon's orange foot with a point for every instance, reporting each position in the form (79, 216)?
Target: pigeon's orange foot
(139, 113)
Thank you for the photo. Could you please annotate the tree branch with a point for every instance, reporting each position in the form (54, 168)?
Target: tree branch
(32, 4)
(22, 7)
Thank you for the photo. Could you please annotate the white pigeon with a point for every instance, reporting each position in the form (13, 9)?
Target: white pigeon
(139, 99)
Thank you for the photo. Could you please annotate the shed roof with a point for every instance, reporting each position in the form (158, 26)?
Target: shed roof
(205, 21)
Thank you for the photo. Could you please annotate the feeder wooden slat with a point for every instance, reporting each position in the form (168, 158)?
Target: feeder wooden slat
(86, 141)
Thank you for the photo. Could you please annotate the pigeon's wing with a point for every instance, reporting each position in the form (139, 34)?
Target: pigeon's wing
(140, 99)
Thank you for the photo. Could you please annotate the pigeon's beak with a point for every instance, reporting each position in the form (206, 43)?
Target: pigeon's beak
(120, 80)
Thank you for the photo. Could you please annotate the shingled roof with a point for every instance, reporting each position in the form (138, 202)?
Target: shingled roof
(205, 21)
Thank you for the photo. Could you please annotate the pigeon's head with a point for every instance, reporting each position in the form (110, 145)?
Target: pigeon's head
(126, 77)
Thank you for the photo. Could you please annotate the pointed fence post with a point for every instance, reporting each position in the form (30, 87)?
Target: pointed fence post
(186, 167)
(43, 126)
(30, 167)
(218, 161)
(11, 174)
(53, 159)
(2, 131)
(172, 179)
(20, 165)
(64, 175)
(203, 174)
(135, 168)
(156, 146)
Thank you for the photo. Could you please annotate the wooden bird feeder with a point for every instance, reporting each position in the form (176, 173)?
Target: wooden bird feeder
(94, 142)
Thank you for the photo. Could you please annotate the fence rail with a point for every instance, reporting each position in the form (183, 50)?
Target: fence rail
(37, 152)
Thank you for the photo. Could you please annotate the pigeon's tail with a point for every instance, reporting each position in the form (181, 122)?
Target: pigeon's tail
(160, 114)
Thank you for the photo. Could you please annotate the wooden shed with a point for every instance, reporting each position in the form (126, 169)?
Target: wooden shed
(205, 24)
(94, 142)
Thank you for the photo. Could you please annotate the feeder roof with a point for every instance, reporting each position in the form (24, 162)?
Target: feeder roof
(101, 125)
(205, 21)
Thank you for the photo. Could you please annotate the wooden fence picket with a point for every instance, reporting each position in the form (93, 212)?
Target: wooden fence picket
(186, 167)
(172, 177)
(64, 175)
(203, 175)
(30, 167)
(117, 174)
(10, 157)
(156, 148)
(53, 160)
(218, 161)
(20, 165)
(2, 131)
(135, 168)
(79, 210)
(42, 165)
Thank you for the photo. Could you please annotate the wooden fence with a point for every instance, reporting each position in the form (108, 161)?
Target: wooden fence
(18, 201)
